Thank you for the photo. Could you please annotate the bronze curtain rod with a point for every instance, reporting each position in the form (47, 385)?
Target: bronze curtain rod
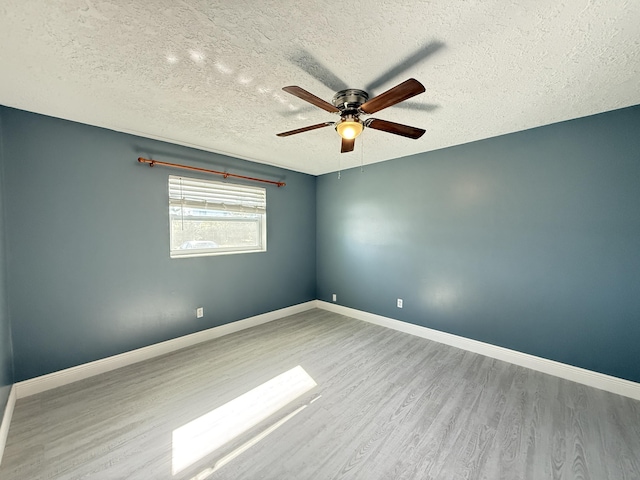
(214, 172)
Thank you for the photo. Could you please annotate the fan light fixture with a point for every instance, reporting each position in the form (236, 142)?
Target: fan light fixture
(349, 128)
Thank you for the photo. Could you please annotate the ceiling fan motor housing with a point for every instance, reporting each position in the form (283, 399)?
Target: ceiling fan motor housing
(348, 101)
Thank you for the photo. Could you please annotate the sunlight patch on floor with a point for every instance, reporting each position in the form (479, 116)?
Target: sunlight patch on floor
(202, 436)
(247, 445)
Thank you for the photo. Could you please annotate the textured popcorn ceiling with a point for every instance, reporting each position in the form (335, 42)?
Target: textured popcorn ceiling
(209, 74)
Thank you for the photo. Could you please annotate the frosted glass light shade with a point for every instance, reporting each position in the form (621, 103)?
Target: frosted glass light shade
(349, 129)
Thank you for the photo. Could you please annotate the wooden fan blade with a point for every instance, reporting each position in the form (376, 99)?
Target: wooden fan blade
(304, 129)
(311, 98)
(347, 145)
(395, 128)
(407, 89)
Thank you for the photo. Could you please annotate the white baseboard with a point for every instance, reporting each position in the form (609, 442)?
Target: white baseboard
(70, 375)
(73, 374)
(6, 419)
(562, 370)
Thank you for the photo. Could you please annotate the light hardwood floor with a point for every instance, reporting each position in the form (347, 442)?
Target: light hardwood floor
(387, 405)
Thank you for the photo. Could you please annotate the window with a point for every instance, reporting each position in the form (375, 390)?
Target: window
(212, 218)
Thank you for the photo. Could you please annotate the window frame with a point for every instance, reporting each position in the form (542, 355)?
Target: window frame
(239, 204)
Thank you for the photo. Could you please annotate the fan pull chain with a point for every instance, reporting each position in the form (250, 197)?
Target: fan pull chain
(362, 155)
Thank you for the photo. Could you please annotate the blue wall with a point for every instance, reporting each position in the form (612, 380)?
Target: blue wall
(6, 352)
(88, 245)
(529, 241)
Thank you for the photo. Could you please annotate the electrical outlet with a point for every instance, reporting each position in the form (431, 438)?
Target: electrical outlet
(335, 297)
(399, 303)
(199, 312)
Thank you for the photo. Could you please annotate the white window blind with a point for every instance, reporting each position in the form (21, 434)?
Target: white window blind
(203, 193)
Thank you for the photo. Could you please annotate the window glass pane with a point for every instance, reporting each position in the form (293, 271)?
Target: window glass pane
(215, 230)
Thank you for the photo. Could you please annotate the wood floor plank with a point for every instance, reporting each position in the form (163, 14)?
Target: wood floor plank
(387, 405)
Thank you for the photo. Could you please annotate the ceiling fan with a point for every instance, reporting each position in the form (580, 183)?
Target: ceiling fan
(352, 103)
